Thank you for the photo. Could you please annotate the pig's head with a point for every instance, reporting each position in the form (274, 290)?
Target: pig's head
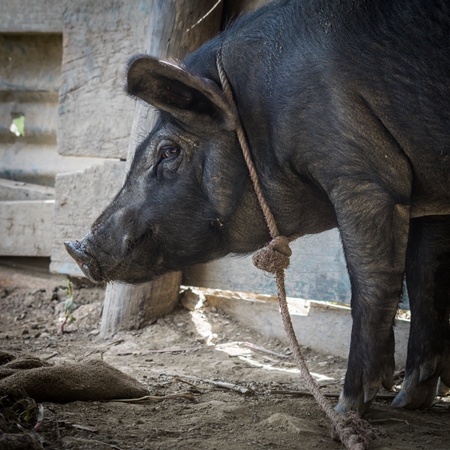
(187, 197)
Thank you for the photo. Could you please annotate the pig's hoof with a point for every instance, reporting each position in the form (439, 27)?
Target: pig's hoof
(420, 387)
(361, 403)
(420, 398)
(360, 400)
(364, 379)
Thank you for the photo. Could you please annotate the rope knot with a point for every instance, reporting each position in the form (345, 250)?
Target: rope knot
(274, 256)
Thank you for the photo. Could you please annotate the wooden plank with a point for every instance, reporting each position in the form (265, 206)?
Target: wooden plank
(29, 81)
(17, 190)
(31, 63)
(30, 220)
(37, 164)
(32, 16)
(94, 113)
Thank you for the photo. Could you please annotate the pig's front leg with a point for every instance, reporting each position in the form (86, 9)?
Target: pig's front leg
(374, 231)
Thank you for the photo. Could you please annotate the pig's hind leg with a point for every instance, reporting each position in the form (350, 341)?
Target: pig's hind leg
(428, 282)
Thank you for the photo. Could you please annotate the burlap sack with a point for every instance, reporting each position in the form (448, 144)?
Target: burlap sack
(87, 380)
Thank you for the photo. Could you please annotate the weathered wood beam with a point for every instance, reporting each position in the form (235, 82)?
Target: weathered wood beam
(171, 34)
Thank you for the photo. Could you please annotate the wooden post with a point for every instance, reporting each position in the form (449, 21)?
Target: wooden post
(176, 27)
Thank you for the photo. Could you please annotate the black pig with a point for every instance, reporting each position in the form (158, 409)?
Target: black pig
(346, 106)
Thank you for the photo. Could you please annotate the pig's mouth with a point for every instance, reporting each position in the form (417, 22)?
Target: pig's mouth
(86, 262)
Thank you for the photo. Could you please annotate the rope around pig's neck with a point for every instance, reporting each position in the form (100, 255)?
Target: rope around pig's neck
(353, 431)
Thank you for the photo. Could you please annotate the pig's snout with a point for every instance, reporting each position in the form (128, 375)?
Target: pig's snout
(87, 263)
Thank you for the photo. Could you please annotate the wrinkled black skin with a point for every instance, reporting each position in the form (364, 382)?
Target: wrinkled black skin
(346, 109)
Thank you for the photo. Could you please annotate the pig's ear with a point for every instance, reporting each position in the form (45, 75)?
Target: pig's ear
(171, 88)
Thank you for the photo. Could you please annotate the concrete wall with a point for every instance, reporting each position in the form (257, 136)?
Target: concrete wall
(317, 271)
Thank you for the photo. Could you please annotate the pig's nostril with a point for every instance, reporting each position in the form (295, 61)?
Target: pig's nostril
(85, 261)
(74, 249)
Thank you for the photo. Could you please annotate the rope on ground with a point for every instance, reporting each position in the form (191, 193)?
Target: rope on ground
(353, 431)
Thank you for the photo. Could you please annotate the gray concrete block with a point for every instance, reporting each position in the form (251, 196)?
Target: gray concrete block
(317, 271)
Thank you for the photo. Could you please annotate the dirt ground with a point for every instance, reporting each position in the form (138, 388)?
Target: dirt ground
(181, 359)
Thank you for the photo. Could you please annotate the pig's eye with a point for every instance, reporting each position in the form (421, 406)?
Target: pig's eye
(169, 151)
(169, 160)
